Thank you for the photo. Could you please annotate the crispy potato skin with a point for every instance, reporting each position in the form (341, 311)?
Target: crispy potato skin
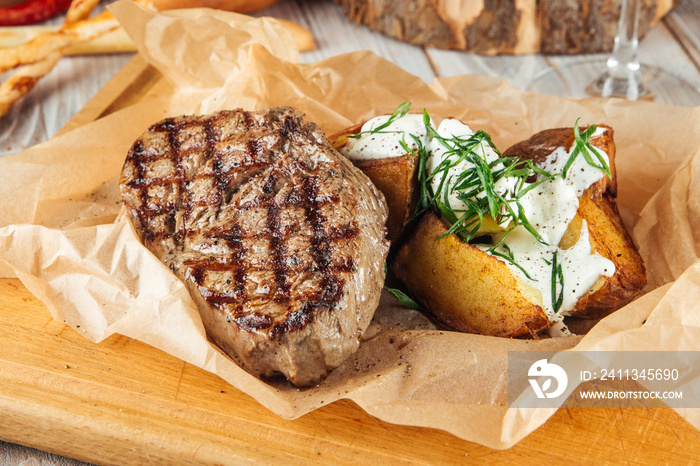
(340, 139)
(463, 287)
(395, 177)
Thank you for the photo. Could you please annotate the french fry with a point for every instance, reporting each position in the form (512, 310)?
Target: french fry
(302, 36)
(117, 41)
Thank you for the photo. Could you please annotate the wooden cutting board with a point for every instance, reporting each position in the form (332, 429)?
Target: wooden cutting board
(123, 402)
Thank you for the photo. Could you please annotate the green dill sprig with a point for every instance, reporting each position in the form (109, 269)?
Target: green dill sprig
(403, 298)
(557, 278)
(583, 147)
(475, 187)
(424, 197)
(509, 257)
(400, 112)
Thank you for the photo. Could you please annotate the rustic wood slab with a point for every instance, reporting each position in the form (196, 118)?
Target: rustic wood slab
(525, 26)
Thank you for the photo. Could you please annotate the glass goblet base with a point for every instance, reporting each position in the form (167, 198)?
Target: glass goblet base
(585, 78)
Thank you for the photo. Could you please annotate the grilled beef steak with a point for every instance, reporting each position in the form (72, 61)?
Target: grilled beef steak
(279, 239)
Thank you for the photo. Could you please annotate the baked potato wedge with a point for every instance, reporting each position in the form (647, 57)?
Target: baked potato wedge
(610, 239)
(607, 233)
(395, 177)
(470, 290)
(464, 287)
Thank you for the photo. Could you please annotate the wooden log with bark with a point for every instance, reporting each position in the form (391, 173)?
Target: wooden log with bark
(503, 26)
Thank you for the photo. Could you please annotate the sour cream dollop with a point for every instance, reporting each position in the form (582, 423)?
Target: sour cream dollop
(386, 142)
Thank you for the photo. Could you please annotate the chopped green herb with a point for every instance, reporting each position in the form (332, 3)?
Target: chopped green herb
(403, 298)
(557, 278)
(476, 187)
(509, 257)
(583, 147)
(400, 295)
(400, 112)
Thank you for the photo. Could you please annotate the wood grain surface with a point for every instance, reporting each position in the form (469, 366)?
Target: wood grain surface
(123, 402)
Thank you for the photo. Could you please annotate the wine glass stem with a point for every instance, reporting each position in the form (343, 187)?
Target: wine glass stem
(623, 76)
(625, 48)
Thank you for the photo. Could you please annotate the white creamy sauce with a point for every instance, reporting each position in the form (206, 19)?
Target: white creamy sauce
(549, 207)
(386, 142)
(580, 175)
(451, 128)
(580, 268)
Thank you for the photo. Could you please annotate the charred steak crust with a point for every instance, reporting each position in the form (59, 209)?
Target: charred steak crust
(279, 239)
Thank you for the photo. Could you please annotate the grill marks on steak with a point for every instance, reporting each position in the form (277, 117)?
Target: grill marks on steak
(273, 231)
(206, 271)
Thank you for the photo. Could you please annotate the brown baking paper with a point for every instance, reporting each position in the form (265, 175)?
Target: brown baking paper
(62, 234)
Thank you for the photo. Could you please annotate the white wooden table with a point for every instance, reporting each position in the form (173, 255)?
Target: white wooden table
(674, 44)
